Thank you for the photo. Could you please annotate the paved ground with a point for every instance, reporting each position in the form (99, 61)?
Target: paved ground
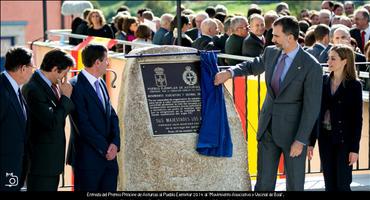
(361, 182)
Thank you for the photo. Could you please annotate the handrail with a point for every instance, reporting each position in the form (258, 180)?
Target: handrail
(63, 32)
(66, 32)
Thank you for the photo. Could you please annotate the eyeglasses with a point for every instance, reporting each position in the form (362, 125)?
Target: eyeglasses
(244, 27)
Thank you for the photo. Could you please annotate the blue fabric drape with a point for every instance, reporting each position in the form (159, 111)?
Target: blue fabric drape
(214, 135)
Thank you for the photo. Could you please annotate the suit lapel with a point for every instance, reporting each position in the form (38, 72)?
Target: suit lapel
(293, 70)
(47, 89)
(90, 90)
(260, 42)
(14, 99)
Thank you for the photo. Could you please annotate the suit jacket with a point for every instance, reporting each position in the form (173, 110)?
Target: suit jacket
(293, 112)
(220, 41)
(233, 46)
(204, 43)
(268, 38)
(192, 33)
(345, 108)
(93, 127)
(167, 38)
(323, 58)
(252, 46)
(13, 135)
(356, 34)
(159, 36)
(47, 122)
(315, 50)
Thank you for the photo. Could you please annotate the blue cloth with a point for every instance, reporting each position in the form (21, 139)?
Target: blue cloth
(214, 135)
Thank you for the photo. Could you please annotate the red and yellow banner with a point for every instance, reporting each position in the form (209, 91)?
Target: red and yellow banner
(76, 52)
(246, 96)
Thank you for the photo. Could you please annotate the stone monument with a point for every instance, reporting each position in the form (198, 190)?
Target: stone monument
(169, 162)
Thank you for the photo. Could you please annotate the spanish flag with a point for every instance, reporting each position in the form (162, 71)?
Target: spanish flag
(246, 103)
(76, 52)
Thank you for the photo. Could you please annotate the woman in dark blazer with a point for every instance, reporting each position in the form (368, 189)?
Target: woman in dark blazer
(338, 128)
(98, 26)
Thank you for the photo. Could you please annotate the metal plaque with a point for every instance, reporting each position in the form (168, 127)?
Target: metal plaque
(173, 95)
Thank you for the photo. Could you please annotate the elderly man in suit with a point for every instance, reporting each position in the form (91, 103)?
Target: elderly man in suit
(195, 32)
(13, 118)
(239, 27)
(253, 45)
(291, 107)
(48, 97)
(209, 30)
(165, 22)
(362, 31)
(95, 132)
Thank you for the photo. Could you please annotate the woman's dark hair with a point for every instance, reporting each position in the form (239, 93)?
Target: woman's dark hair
(127, 23)
(143, 32)
(184, 20)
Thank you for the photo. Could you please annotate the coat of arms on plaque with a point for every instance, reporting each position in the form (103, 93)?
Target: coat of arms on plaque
(160, 77)
(189, 76)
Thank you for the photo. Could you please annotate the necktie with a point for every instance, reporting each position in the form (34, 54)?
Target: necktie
(275, 83)
(22, 103)
(263, 40)
(97, 90)
(55, 89)
(363, 40)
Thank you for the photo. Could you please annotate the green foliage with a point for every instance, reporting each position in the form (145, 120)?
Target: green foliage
(159, 7)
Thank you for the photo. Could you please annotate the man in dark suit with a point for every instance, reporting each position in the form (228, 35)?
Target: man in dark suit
(195, 32)
(239, 26)
(165, 27)
(362, 31)
(321, 33)
(291, 107)
(95, 130)
(209, 30)
(342, 36)
(253, 45)
(48, 98)
(13, 118)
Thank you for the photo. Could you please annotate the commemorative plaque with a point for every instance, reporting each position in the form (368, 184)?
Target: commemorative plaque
(173, 96)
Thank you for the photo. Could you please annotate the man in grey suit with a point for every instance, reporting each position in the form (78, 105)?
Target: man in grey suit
(292, 103)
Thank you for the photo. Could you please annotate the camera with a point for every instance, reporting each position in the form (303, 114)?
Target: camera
(12, 180)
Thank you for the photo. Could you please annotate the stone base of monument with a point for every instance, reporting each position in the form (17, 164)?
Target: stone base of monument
(170, 162)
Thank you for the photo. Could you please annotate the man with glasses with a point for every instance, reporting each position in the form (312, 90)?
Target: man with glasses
(13, 118)
(195, 32)
(48, 95)
(239, 27)
(362, 31)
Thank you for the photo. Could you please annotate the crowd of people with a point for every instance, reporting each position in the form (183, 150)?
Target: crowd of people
(235, 34)
(301, 105)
